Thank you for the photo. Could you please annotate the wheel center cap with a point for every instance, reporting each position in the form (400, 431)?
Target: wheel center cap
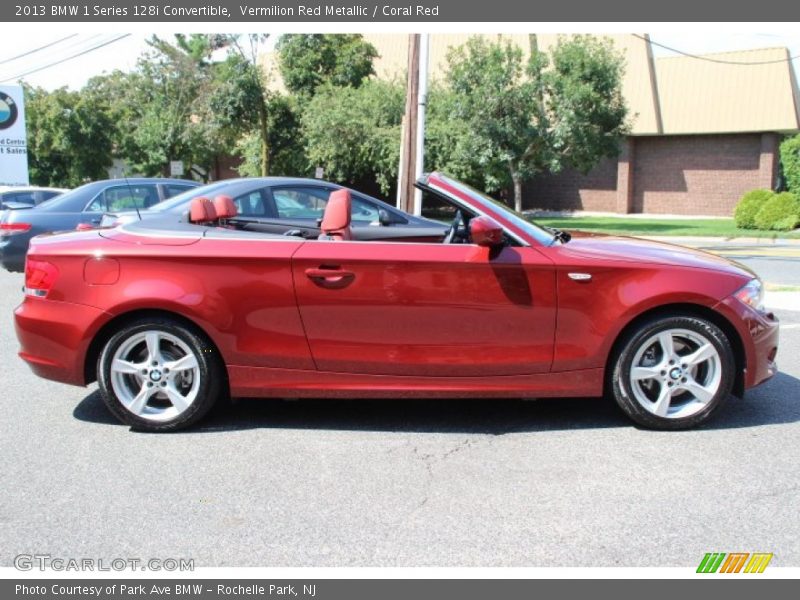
(675, 373)
(155, 375)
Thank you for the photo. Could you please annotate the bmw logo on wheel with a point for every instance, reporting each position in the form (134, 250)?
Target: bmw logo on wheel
(8, 111)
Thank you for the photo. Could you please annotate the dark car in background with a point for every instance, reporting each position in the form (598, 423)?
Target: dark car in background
(293, 205)
(27, 197)
(82, 206)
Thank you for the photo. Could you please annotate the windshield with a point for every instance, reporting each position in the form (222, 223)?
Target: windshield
(541, 235)
(181, 201)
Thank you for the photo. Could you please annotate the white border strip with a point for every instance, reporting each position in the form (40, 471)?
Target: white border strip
(410, 573)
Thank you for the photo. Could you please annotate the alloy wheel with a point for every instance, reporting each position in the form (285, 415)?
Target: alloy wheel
(155, 375)
(675, 373)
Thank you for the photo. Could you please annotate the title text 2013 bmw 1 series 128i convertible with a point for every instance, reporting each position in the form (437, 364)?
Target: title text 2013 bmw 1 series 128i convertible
(170, 318)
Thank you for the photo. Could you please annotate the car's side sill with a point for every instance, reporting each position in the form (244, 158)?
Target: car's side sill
(263, 382)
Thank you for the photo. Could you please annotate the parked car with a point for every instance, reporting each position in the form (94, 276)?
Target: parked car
(27, 197)
(84, 205)
(285, 204)
(170, 317)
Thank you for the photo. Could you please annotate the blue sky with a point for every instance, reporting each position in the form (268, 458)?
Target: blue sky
(122, 54)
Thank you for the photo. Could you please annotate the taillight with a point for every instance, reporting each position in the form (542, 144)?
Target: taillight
(84, 227)
(39, 277)
(14, 228)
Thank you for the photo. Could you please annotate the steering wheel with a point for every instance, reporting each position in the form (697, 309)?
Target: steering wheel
(451, 234)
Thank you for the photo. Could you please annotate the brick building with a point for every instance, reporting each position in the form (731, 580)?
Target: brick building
(703, 132)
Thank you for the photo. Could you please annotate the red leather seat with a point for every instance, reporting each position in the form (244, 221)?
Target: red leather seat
(202, 211)
(225, 207)
(336, 220)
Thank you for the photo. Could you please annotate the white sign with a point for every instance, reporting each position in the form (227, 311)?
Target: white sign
(13, 141)
(319, 172)
(176, 167)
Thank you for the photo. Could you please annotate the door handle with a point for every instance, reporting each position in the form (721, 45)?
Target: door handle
(333, 278)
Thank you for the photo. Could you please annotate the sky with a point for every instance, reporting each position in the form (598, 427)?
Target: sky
(122, 52)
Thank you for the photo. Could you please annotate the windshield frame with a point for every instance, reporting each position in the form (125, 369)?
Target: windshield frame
(516, 225)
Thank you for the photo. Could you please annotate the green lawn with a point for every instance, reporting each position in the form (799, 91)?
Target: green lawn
(655, 226)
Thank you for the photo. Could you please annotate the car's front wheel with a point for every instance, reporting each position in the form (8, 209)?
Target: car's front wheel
(158, 375)
(673, 372)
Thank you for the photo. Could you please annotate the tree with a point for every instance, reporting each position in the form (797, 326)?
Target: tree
(354, 133)
(240, 101)
(286, 150)
(790, 162)
(524, 119)
(307, 61)
(69, 137)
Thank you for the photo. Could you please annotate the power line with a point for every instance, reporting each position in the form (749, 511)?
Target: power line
(716, 60)
(7, 60)
(63, 60)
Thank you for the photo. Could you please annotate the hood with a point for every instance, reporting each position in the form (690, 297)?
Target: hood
(613, 247)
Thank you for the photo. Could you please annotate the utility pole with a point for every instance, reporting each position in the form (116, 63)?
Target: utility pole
(408, 162)
(422, 102)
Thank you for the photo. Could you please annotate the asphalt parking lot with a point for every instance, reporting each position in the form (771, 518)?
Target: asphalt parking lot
(397, 483)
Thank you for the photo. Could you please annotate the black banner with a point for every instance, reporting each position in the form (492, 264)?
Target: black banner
(465, 11)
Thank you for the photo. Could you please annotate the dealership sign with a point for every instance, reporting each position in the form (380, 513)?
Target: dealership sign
(13, 142)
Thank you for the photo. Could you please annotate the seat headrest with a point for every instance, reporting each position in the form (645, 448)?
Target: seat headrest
(225, 207)
(337, 212)
(202, 210)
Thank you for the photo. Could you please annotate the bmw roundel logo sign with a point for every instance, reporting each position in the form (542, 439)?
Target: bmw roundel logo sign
(8, 111)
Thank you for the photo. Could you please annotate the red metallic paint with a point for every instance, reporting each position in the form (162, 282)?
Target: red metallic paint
(485, 231)
(294, 317)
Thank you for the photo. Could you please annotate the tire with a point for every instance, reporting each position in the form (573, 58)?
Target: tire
(673, 372)
(158, 375)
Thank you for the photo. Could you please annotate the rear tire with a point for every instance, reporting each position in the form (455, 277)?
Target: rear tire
(158, 375)
(673, 372)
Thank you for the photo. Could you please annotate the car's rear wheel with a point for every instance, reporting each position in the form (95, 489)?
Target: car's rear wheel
(673, 372)
(158, 375)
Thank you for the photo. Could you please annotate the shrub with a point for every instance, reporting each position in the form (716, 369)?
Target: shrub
(787, 223)
(746, 210)
(779, 213)
(790, 163)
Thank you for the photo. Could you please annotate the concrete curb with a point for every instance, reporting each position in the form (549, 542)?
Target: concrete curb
(710, 241)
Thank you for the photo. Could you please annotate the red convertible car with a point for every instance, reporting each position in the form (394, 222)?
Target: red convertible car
(168, 319)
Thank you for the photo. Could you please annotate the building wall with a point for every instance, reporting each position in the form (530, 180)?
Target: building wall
(685, 175)
(571, 190)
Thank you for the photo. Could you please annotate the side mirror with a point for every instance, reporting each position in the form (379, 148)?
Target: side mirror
(486, 232)
(384, 218)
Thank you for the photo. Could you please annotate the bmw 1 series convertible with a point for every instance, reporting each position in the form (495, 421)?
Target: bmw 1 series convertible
(170, 318)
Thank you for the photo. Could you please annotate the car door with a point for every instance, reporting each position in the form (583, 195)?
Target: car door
(426, 309)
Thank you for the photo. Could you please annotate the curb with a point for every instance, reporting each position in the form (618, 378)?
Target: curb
(680, 239)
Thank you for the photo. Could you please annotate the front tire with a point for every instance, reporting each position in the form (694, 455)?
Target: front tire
(156, 374)
(673, 372)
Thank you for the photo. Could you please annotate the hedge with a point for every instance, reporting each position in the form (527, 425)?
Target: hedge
(779, 213)
(746, 210)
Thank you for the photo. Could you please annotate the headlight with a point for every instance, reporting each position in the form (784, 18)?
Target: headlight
(752, 294)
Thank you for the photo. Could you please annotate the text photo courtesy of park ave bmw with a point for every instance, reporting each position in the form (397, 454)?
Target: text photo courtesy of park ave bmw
(296, 299)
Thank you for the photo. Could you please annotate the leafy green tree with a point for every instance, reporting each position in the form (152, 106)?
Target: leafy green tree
(790, 162)
(239, 103)
(307, 61)
(354, 133)
(69, 137)
(524, 119)
(286, 150)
